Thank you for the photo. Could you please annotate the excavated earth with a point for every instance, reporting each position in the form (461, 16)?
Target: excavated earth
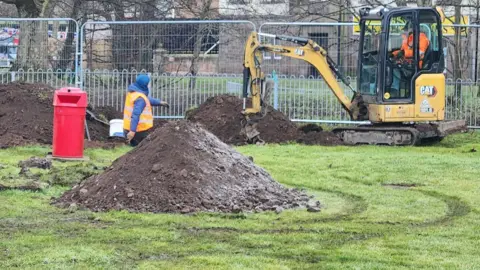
(183, 168)
(26, 117)
(222, 116)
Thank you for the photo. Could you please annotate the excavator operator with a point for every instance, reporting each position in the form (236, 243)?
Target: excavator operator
(405, 55)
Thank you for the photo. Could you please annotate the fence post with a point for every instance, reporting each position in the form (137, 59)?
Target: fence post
(446, 60)
(275, 90)
(13, 74)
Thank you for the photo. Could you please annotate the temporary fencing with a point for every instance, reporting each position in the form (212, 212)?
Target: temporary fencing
(190, 60)
(37, 45)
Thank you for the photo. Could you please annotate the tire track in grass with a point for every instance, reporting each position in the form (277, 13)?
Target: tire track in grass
(456, 208)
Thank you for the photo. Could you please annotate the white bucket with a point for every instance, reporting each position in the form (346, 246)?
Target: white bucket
(116, 128)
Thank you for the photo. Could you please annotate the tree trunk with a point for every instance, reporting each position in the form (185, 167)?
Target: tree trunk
(120, 43)
(68, 53)
(148, 37)
(32, 49)
(196, 54)
(29, 8)
(33, 46)
(424, 3)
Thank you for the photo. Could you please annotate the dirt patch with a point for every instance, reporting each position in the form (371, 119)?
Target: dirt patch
(183, 168)
(157, 123)
(400, 185)
(71, 175)
(275, 127)
(31, 186)
(35, 162)
(320, 138)
(26, 116)
(310, 128)
(222, 116)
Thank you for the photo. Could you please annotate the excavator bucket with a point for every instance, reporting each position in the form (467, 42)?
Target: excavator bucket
(249, 127)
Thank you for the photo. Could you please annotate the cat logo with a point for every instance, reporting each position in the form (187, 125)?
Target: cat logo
(299, 52)
(429, 91)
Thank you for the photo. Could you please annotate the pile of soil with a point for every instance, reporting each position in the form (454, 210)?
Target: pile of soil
(26, 116)
(222, 116)
(183, 168)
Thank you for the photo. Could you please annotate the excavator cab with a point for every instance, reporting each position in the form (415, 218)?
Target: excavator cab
(401, 64)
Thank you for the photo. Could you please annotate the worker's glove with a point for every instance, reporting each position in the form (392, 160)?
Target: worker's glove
(130, 136)
(164, 104)
(400, 54)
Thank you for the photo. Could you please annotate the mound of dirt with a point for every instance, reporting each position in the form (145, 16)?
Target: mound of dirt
(222, 116)
(183, 168)
(310, 128)
(26, 116)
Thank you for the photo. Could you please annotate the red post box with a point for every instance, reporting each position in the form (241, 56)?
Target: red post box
(70, 106)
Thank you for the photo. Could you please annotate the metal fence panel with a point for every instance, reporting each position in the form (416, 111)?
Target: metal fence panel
(301, 99)
(336, 38)
(38, 43)
(190, 61)
(461, 51)
(54, 78)
(108, 88)
(173, 47)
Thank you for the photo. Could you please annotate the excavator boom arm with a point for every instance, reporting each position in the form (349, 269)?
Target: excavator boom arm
(308, 51)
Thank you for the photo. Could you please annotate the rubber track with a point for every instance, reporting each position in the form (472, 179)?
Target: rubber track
(414, 132)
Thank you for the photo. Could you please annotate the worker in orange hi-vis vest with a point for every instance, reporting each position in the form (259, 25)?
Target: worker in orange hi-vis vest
(138, 113)
(406, 53)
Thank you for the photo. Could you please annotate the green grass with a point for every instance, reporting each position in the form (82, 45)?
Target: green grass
(61, 174)
(383, 208)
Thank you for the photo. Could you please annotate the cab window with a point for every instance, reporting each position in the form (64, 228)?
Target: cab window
(430, 59)
(400, 65)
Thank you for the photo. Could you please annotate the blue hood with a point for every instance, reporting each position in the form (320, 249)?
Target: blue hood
(140, 85)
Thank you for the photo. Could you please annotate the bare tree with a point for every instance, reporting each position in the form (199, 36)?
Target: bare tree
(202, 9)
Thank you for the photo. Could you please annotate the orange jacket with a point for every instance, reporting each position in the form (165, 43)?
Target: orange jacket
(407, 47)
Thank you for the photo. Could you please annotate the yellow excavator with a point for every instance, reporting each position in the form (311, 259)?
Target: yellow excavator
(402, 97)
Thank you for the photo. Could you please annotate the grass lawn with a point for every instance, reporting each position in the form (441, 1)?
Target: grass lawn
(383, 208)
